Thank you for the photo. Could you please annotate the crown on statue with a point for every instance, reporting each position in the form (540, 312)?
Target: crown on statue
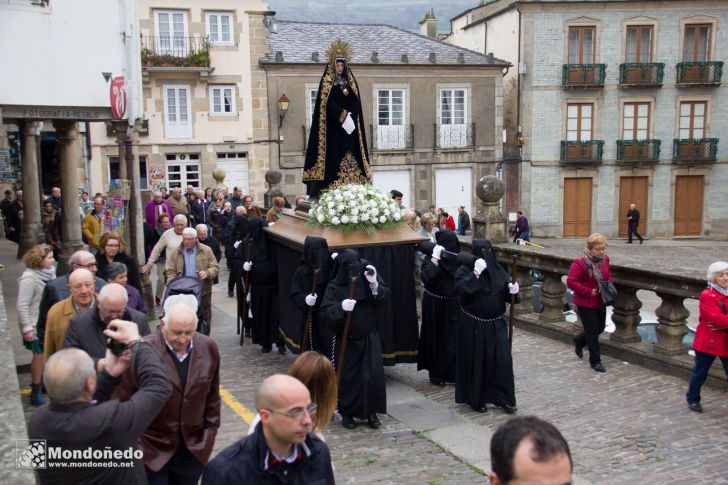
(339, 49)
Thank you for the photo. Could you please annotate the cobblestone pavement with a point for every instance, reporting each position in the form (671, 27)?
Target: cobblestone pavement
(630, 425)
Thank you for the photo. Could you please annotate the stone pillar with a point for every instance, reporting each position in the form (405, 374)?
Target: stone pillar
(626, 315)
(69, 155)
(489, 222)
(31, 230)
(553, 291)
(272, 179)
(120, 134)
(671, 324)
(525, 285)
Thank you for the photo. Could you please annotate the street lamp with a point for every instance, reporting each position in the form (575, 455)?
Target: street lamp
(283, 103)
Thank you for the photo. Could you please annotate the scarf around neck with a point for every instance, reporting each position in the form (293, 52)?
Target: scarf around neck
(45, 274)
(719, 289)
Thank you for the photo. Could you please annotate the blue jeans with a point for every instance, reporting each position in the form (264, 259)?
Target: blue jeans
(461, 230)
(703, 362)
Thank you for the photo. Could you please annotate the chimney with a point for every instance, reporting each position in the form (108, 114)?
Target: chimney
(428, 25)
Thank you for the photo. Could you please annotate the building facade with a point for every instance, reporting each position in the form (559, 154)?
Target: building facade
(204, 97)
(619, 102)
(433, 112)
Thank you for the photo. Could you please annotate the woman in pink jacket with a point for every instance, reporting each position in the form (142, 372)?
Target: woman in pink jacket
(583, 278)
(711, 337)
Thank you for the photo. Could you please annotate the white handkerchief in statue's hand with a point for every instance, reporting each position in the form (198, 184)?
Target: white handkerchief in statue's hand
(348, 124)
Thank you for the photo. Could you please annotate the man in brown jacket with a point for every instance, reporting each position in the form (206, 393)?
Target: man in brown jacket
(179, 204)
(179, 441)
(81, 282)
(196, 260)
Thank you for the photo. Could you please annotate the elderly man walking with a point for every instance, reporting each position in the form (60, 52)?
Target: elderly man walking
(82, 298)
(198, 261)
(282, 449)
(155, 208)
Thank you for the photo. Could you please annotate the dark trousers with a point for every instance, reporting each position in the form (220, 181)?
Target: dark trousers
(703, 362)
(182, 469)
(632, 229)
(233, 276)
(594, 322)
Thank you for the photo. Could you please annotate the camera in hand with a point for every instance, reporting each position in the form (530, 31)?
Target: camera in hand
(115, 346)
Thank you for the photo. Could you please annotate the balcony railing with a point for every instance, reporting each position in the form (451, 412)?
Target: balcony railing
(642, 74)
(454, 135)
(391, 137)
(583, 75)
(699, 73)
(695, 150)
(166, 51)
(638, 150)
(582, 151)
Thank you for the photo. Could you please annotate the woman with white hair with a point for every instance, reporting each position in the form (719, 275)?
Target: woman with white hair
(711, 337)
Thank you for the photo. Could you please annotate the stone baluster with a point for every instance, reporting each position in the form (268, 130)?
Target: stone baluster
(525, 284)
(671, 324)
(626, 315)
(553, 291)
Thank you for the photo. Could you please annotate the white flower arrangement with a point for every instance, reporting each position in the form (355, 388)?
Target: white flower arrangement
(354, 207)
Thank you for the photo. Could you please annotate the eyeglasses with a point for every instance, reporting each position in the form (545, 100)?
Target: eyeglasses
(297, 413)
(87, 266)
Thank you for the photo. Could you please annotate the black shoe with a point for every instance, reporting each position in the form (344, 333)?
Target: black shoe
(695, 406)
(266, 349)
(509, 409)
(578, 349)
(281, 349)
(248, 333)
(599, 367)
(373, 421)
(348, 422)
(641, 241)
(481, 409)
(437, 382)
(231, 294)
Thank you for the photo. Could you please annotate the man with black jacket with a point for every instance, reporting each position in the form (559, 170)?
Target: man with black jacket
(86, 330)
(235, 232)
(283, 448)
(633, 222)
(73, 423)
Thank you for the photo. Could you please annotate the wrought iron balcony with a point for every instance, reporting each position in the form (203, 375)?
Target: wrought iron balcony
(583, 75)
(166, 51)
(695, 150)
(582, 151)
(454, 135)
(699, 73)
(391, 137)
(638, 150)
(648, 74)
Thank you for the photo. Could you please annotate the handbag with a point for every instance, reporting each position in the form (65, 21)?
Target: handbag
(608, 293)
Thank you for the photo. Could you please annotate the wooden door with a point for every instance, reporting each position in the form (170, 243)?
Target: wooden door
(632, 190)
(577, 207)
(688, 205)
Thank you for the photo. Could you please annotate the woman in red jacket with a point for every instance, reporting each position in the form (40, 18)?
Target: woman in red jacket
(583, 278)
(711, 337)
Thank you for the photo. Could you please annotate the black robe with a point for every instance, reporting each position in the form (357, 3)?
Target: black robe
(362, 390)
(315, 254)
(484, 367)
(334, 157)
(440, 312)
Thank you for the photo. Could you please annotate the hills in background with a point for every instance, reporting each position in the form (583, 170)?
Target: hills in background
(405, 14)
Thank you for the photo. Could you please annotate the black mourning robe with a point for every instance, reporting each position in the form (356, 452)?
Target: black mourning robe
(263, 285)
(484, 367)
(440, 312)
(315, 255)
(334, 157)
(362, 390)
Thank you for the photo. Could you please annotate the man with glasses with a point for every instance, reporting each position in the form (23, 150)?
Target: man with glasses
(83, 297)
(92, 224)
(58, 289)
(86, 330)
(282, 449)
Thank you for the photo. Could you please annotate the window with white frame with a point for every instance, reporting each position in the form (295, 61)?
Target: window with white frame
(171, 36)
(311, 94)
(183, 170)
(222, 100)
(453, 129)
(391, 133)
(219, 27)
(177, 111)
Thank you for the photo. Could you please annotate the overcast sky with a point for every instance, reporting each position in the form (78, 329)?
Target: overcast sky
(402, 13)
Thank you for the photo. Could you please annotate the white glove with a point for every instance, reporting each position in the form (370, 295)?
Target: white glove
(513, 288)
(333, 256)
(247, 265)
(311, 299)
(435, 261)
(371, 278)
(237, 243)
(437, 251)
(270, 224)
(480, 265)
(247, 298)
(348, 305)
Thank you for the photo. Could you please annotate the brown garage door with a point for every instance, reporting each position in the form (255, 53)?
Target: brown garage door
(577, 207)
(632, 190)
(688, 205)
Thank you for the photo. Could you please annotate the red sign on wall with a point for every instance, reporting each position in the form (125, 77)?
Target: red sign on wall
(117, 94)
